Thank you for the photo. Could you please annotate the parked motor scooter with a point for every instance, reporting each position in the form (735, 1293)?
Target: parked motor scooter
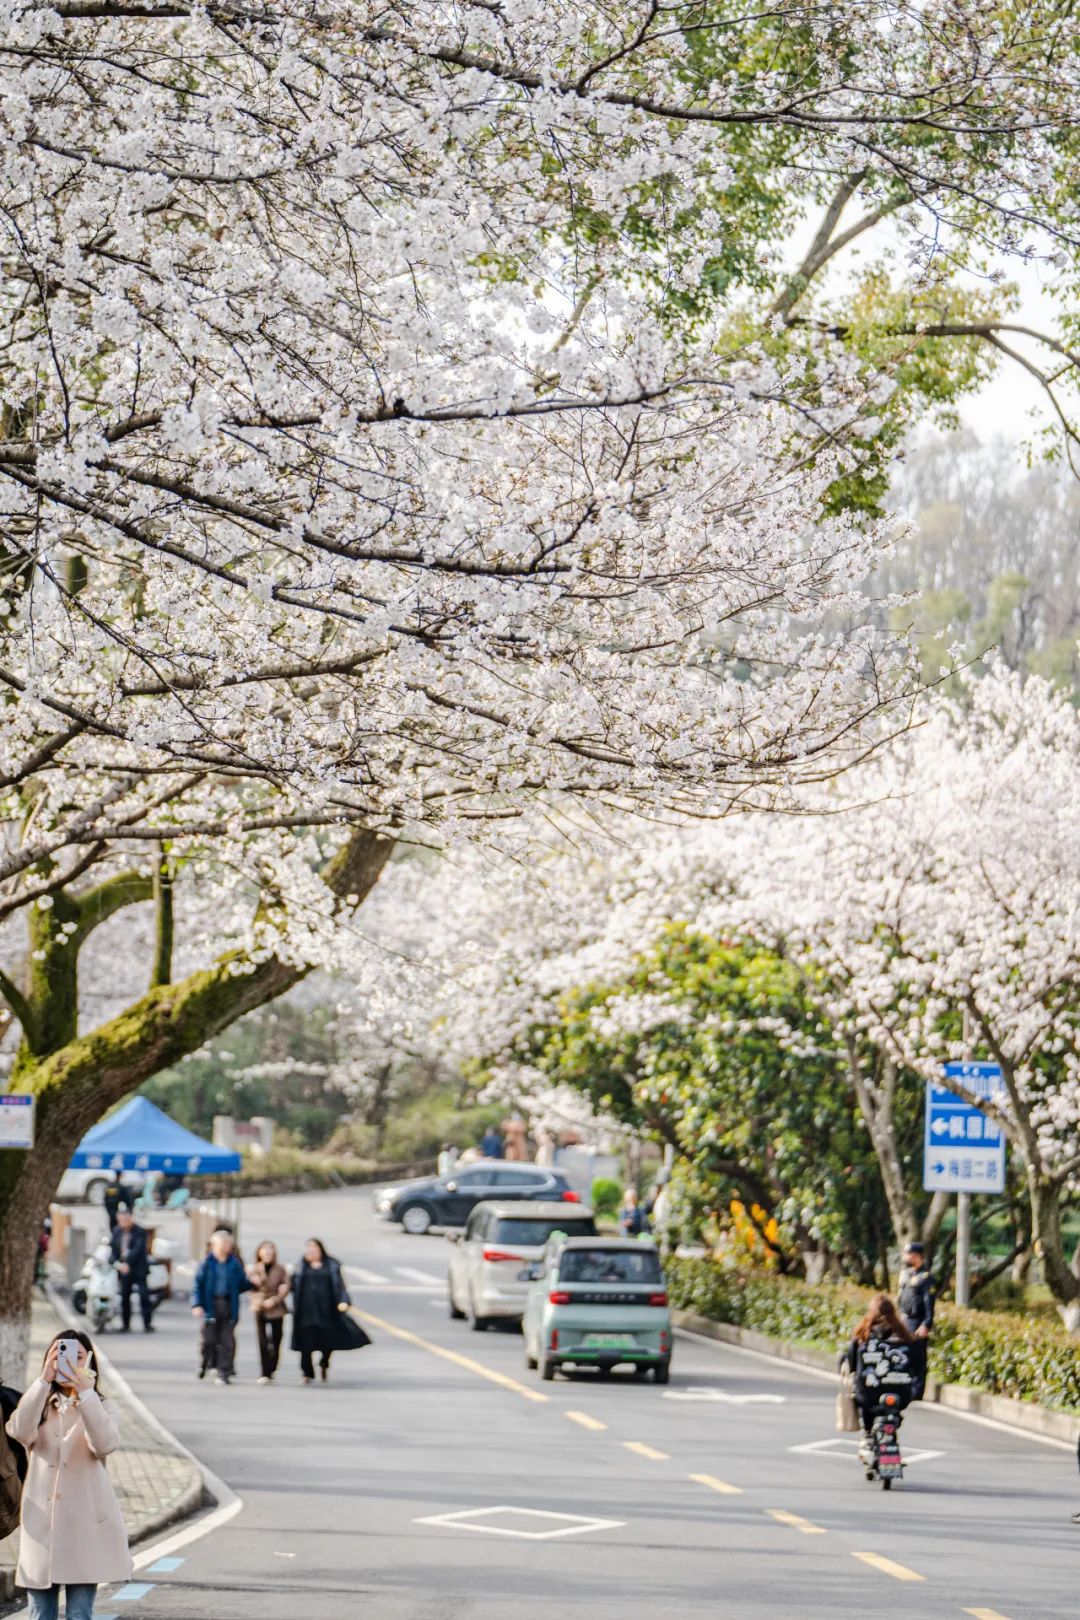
(97, 1292)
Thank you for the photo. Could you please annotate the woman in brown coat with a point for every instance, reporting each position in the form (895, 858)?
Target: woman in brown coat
(270, 1285)
(73, 1534)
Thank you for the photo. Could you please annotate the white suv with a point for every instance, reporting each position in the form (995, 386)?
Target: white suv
(488, 1272)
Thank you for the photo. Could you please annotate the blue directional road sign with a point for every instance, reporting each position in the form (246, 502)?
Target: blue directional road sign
(964, 1151)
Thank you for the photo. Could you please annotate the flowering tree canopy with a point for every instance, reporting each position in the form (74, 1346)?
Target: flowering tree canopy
(338, 470)
(931, 904)
(379, 453)
(947, 920)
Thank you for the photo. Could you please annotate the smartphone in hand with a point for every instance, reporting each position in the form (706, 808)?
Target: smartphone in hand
(67, 1361)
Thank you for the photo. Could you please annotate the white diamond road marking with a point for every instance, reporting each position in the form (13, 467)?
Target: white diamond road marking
(846, 1447)
(565, 1524)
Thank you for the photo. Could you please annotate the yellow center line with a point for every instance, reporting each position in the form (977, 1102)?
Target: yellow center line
(585, 1420)
(714, 1484)
(451, 1355)
(795, 1522)
(985, 1614)
(899, 1572)
(643, 1450)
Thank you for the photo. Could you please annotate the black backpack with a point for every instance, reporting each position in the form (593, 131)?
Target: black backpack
(12, 1466)
(885, 1368)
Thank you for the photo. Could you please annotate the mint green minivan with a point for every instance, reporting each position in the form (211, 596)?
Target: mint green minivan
(598, 1302)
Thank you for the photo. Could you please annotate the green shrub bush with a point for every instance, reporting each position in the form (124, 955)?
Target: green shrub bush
(1026, 1358)
(418, 1129)
(605, 1195)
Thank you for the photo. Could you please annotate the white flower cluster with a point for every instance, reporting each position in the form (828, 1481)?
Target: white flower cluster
(344, 486)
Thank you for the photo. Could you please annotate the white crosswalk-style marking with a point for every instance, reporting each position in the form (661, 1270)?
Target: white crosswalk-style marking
(362, 1275)
(419, 1276)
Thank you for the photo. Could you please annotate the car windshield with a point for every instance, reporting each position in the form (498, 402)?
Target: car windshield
(533, 1234)
(610, 1266)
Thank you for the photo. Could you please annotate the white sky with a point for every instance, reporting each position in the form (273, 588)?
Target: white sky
(1013, 405)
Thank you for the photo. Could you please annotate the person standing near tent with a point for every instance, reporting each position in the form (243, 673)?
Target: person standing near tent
(115, 1198)
(131, 1252)
(219, 1282)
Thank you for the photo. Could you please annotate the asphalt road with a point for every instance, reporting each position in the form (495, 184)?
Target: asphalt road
(708, 1499)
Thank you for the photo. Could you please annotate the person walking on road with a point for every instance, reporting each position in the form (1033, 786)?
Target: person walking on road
(320, 1301)
(269, 1291)
(131, 1252)
(632, 1218)
(916, 1301)
(219, 1282)
(491, 1143)
(448, 1158)
(75, 1537)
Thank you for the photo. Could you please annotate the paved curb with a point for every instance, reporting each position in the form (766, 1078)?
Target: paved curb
(1061, 1427)
(195, 1497)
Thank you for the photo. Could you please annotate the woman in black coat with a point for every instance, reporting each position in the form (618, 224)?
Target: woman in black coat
(320, 1304)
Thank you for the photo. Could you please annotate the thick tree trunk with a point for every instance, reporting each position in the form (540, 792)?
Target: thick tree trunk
(932, 1220)
(1049, 1247)
(76, 1084)
(876, 1104)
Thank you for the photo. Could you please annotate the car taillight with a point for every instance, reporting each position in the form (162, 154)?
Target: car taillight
(657, 1299)
(501, 1254)
(665, 1343)
(558, 1298)
(570, 1197)
(554, 1338)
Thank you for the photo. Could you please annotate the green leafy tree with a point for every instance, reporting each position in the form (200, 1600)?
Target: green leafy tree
(715, 1047)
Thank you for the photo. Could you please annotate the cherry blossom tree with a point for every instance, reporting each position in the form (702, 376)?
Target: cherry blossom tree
(363, 483)
(947, 922)
(929, 900)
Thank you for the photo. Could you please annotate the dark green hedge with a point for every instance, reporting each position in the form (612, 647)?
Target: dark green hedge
(1005, 1355)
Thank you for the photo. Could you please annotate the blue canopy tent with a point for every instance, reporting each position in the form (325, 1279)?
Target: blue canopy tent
(140, 1137)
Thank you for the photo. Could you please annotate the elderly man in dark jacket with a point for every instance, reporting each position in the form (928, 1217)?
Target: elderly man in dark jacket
(219, 1282)
(131, 1251)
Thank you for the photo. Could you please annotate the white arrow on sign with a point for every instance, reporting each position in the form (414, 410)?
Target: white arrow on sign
(703, 1393)
(939, 1127)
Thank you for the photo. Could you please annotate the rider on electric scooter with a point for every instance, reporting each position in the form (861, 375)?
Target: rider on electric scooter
(882, 1360)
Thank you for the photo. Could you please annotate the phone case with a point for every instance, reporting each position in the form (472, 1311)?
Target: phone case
(66, 1365)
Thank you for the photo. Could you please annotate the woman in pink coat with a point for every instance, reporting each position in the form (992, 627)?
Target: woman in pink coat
(72, 1531)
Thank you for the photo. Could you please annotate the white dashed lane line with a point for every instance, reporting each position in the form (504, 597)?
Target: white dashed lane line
(426, 1277)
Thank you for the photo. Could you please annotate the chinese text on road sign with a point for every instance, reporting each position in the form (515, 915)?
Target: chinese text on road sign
(16, 1120)
(964, 1150)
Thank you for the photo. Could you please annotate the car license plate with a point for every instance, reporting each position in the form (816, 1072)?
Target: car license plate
(610, 1341)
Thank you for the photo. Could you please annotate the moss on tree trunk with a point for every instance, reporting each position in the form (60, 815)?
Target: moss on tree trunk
(77, 1078)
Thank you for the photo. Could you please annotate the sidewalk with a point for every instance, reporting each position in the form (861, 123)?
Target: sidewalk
(155, 1483)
